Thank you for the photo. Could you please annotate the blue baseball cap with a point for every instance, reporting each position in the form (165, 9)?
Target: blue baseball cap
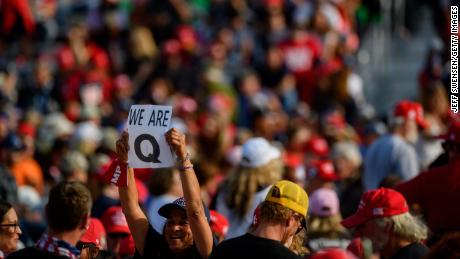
(179, 203)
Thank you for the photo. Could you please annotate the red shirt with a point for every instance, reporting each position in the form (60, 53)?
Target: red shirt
(437, 191)
(300, 57)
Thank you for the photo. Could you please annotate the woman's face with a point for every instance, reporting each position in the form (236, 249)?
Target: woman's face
(177, 231)
(345, 168)
(9, 234)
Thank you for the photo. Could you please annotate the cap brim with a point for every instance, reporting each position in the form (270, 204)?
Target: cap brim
(333, 178)
(329, 177)
(354, 220)
(422, 123)
(118, 230)
(166, 209)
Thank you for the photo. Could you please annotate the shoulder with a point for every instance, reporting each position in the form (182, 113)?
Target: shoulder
(384, 142)
(231, 242)
(229, 248)
(152, 235)
(249, 246)
(414, 250)
(155, 244)
(402, 145)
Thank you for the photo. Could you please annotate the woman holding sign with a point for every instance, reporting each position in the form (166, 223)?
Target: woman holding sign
(186, 233)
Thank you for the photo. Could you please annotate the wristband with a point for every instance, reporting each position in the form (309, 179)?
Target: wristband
(116, 174)
(185, 168)
(187, 157)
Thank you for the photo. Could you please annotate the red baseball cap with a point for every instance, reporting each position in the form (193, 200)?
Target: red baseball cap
(95, 233)
(332, 253)
(411, 110)
(324, 169)
(27, 129)
(318, 146)
(219, 224)
(382, 202)
(115, 221)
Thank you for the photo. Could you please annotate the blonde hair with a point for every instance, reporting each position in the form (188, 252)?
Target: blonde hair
(274, 212)
(349, 151)
(245, 182)
(406, 226)
(326, 227)
(297, 246)
(144, 44)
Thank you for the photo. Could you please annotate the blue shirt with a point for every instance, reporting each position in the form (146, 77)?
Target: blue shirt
(390, 154)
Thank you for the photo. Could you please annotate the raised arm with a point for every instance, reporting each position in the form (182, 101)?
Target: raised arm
(137, 221)
(199, 225)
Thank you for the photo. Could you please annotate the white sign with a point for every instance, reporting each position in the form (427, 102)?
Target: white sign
(147, 125)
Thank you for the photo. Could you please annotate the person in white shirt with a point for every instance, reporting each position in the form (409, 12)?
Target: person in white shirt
(244, 189)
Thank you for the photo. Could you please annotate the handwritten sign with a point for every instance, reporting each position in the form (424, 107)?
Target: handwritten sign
(147, 125)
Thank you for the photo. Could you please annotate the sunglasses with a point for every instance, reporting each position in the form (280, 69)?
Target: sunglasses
(301, 223)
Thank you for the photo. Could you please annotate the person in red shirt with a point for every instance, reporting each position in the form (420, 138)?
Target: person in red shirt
(301, 53)
(435, 190)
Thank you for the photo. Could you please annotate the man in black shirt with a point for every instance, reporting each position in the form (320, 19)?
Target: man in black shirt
(282, 214)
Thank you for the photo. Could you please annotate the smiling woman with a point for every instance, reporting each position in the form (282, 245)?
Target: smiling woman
(186, 233)
(9, 229)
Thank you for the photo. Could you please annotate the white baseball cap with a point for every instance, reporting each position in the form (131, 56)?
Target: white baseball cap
(258, 152)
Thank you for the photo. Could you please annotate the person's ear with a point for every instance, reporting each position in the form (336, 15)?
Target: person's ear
(291, 223)
(85, 221)
(288, 222)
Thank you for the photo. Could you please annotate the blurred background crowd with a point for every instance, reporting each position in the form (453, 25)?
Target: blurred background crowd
(284, 70)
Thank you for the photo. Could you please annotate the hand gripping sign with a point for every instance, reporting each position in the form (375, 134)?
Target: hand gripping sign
(147, 125)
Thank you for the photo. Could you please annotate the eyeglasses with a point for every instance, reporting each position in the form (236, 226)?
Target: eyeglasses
(13, 226)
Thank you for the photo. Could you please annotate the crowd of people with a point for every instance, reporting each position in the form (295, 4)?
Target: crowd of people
(279, 155)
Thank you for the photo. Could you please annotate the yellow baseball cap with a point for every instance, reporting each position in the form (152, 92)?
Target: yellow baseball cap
(289, 195)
